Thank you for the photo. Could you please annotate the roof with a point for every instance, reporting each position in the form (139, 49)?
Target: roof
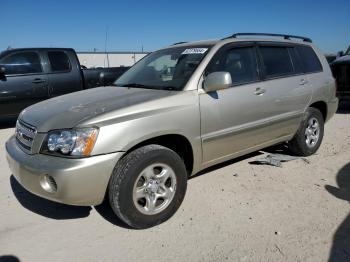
(113, 52)
(8, 51)
(38, 48)
(71, 49)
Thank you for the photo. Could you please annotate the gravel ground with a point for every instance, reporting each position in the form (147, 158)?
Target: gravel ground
(233, 212)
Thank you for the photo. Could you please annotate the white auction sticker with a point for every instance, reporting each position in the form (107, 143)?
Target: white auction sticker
(194, 51)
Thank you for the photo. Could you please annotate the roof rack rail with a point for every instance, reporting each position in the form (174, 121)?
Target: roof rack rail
(178, 43)
(288, 37)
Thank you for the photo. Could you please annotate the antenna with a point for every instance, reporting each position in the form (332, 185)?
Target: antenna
(106, 48)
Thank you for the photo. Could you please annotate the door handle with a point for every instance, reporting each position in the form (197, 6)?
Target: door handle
(38, 81)
(303, 82)
(259, 91)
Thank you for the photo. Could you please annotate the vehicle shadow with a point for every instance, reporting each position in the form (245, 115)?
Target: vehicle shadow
(107, 213)
(340, 251)
(226, 163)
(278, 149)
(46, 207)
(59, 211)
(344, 107)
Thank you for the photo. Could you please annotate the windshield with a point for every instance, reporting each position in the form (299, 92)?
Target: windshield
(167, 69)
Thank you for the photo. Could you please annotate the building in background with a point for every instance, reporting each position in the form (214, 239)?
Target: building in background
(109, 59)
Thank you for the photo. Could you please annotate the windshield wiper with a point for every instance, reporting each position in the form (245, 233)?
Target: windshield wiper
(170, 88)
(136, 85)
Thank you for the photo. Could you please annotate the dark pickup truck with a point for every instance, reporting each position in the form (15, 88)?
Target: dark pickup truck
(341, 72)
(30, 75)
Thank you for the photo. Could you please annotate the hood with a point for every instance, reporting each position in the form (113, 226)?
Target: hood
(344, 60)
(68, 111)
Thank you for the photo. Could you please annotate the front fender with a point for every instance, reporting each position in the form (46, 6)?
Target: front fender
(182, 119)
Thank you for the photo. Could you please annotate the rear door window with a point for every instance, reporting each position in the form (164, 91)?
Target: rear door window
(22, 63)
(309, 59)
(240, 62)
(59, 61)
(276, 61)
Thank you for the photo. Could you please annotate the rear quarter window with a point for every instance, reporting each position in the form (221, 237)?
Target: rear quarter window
(309, 59)
(59, 61)
(276, 61)
(298, 67)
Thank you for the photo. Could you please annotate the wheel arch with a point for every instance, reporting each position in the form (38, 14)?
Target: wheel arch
(176, 142)
(322, 107)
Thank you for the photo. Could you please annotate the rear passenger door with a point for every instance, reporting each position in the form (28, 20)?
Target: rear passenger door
(25, 82)
(285, 84)
(64, 76)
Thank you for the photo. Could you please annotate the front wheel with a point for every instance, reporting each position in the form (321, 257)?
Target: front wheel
(309, 136)
(147, 186)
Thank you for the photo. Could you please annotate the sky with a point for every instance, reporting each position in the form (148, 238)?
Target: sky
(133, 25)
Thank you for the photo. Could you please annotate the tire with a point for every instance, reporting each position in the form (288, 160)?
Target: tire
(299, 145)
(133, 186)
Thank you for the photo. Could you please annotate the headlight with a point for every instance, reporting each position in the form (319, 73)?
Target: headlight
(79, 142)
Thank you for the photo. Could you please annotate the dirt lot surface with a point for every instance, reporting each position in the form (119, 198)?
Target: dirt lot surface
(236, 212)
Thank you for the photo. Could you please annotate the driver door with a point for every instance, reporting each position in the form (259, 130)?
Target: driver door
(24, 83)
(232, 119)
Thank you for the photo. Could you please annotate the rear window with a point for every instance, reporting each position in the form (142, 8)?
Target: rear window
(276, 61)
(59, 61)
(309, 59)
(22, 63)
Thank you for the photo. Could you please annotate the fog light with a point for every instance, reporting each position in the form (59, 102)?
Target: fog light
(48, 183)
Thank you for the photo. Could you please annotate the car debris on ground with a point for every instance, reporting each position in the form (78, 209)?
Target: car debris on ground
(276, 160)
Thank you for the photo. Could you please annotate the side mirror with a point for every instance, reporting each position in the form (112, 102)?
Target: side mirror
(217, 81)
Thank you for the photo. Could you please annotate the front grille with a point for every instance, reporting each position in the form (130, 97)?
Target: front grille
(25, 134)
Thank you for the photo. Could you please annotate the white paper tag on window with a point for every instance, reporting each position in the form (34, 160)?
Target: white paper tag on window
(194, 51)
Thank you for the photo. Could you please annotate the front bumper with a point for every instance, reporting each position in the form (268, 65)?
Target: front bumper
(79, 181)
(332, 107)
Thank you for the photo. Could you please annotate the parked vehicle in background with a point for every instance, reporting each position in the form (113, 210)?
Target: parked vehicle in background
(30, 75)
(330, 57)
(341, 72)
(176, 112)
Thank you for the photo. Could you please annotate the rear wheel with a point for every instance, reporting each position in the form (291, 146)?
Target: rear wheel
(309, 136)
(147, 186)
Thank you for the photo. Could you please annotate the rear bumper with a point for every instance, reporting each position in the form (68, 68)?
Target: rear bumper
(332, 107)
(79, 181)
